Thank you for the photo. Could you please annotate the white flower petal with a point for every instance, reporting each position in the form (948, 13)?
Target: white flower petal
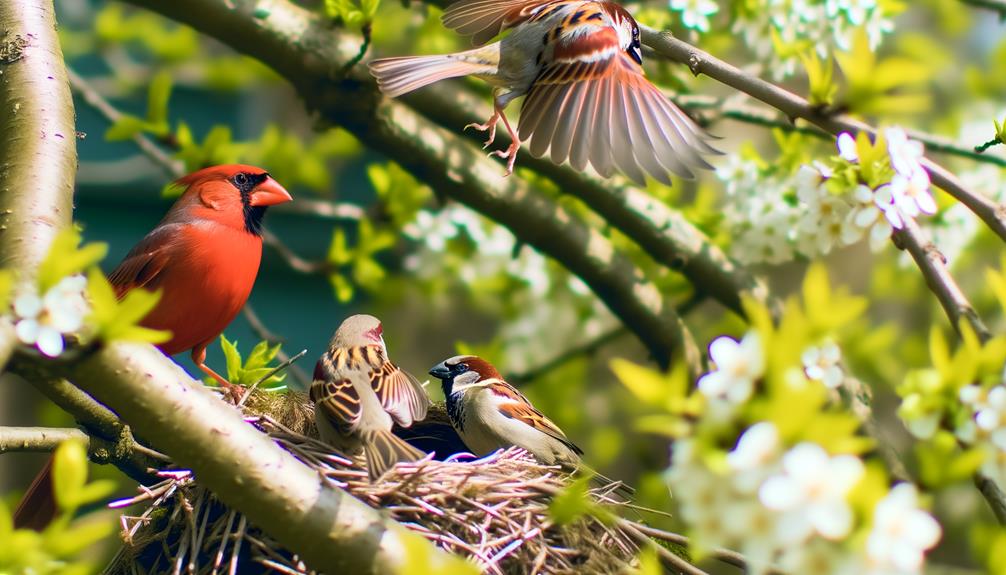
(50, 342)
(27, 305)
(847, 147)
(27, 331)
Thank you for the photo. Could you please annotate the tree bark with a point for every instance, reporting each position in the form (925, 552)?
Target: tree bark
(38, 156)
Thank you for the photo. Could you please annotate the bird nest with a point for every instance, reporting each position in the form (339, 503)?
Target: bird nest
(493, 510)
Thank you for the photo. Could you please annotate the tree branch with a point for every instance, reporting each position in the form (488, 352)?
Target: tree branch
(331, 530)
(114, 442)
(303, 48)
(994, 5)
(37, 152)
(709, 108)
(39, 439)
(700, 62)
(664, 233)
(173, 168)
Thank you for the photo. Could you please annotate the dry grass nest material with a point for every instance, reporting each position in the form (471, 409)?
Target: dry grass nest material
(494, 511)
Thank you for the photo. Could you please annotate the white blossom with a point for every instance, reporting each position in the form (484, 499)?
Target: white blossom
(755, 456)
(811, 492)
(906, 155)
(874, 213)
(43, 321)
(901, 534)
(738, 366)
(822, 364)
(695, 13)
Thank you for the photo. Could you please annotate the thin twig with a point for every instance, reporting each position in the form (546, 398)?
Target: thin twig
(173, 168)
(742, 112)
(41, 439)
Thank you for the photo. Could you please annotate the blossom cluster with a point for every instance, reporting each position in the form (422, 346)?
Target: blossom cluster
(740, 364)
(790, 507)
(775, 217)
(775, 28)
(448, 236)
(985, 426)
(45, 320)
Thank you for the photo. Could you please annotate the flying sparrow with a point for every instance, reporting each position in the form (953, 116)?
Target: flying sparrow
(489, 413)
(579, 62)
(358, 394)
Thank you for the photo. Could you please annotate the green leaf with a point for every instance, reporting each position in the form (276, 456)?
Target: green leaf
(126, 127)
(157, 101)
(69, 474)
(341, 286)
(421, 556)
(571, 503)
(233, 358)
(118, 320)
(820, 77)
(66, 258)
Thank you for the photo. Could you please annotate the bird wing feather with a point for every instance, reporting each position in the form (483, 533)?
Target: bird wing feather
(335, 394)
(593, 104)
(518, 407)
(483, 20)
(144, 264)
(401, 394)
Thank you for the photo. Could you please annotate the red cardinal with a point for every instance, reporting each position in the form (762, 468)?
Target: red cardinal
(203, 257)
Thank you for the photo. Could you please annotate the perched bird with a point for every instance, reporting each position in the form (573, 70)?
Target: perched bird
(358, 394)
(579, 62)
(489, 413)
(203, 257)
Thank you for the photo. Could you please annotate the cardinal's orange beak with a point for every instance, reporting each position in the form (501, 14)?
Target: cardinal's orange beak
(269, 193)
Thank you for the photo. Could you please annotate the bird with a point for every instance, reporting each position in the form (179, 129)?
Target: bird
(358, 395)
(579, 65)
(203, 257)
(490, 414)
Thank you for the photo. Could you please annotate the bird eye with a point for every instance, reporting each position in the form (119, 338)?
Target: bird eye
(241, 179)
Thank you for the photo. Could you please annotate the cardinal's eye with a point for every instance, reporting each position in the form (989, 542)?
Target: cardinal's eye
(241, 180)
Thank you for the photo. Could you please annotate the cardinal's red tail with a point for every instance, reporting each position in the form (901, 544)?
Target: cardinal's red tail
(38, 506)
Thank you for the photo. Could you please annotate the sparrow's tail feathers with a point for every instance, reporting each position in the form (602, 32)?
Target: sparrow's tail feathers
(38, 506)
(397, 76)
(384, 449)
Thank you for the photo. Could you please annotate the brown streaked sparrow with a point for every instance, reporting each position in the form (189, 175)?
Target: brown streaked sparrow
(579, 62)
(489, 413)
(358, 394)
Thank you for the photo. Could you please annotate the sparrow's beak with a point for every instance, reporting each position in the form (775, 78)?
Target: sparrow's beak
(441, 371)
(269, 193)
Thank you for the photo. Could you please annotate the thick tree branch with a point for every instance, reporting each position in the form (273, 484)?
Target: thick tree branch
(331, 530)
(700, 62)
(303, 48)
(37, 153)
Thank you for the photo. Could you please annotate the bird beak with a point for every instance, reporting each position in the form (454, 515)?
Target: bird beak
(269, 193)
(441, 371)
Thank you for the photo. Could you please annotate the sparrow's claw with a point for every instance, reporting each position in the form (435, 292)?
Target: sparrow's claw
(510, 154)
(490, 126)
